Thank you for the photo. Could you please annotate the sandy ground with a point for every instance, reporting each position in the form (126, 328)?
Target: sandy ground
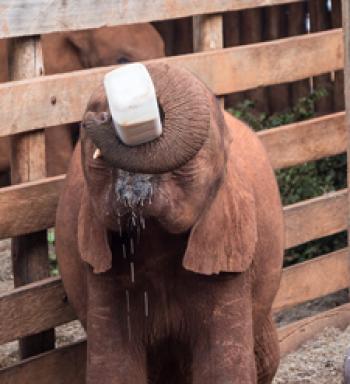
(320, 361)
(317, 361)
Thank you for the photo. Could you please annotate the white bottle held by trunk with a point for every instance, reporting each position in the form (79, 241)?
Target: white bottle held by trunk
(133, 104)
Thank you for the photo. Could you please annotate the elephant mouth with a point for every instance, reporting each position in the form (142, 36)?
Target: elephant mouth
(133, 190)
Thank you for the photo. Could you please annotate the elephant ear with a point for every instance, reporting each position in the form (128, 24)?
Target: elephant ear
(92, 238)
(225, 236)
(81, 42)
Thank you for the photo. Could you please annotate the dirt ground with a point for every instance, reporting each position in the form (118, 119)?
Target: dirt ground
(319, 361)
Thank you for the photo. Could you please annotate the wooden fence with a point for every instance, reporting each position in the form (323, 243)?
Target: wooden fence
(286, 20)
(27, 209)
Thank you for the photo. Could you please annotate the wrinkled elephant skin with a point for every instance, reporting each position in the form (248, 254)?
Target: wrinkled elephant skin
(172, 259)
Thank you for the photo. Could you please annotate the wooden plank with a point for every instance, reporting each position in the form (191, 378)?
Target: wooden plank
(60, 99)
(293, 336)
(297, 26)
(34, 17)
(275, 27)
(252, 27)
(315, 218)
(320, 21)
(339, 99)
(29, 252)
(310, 140)
(29, 207)
(208, 35)
(67, 364)
(310, 279)
(61, 366)
(346, 27)
(232, 38)
(33, 308)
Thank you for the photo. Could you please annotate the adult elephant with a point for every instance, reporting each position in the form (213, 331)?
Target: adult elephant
(71, 51)
(171, 251)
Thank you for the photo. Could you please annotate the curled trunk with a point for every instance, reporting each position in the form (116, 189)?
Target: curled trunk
(185, 108)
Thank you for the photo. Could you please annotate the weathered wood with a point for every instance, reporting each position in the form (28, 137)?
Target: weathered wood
(252, 32)
(346, 28)
(310, 140)
(29, 252)
(293, 336)
(208, 34)
(310, 279)
(320, 21)
(61, 366)
(315, 218)
(34, 17)
(275, 27)
(279, 62)
(339, 99)
(296, 26)
(232, 38)
(29, 207)
(33, 308)
(3, 61)
(28, 150)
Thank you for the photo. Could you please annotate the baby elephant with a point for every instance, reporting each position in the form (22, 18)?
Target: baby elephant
(171, 251)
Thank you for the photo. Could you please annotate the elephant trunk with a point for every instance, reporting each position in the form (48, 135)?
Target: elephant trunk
(185, 110)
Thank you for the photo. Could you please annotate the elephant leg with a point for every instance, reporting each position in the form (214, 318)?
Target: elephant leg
(224, 353)
(59, 149)
(267, 351)
(116, 365)
(114, 355)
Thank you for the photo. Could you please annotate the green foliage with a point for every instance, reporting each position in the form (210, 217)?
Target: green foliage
(312, 179)
(304, 109)
(304, 181)
(52, 254)
(315, 248)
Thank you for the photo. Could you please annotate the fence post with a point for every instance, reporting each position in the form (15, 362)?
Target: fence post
(29, 252)
(296, 26)
(275, 27)
(251, 24)
(208, 34)
(339, 75)
(346, 29)
(320, 20)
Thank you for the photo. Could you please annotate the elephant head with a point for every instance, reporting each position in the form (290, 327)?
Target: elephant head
(70, 51)
(186, 180)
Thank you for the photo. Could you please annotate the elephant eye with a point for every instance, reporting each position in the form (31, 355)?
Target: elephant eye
(123, 60)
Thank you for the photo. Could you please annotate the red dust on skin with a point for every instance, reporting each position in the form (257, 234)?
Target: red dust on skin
(211, 288)
(173, 198)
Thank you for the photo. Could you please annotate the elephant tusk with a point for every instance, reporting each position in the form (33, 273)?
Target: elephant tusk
(97, 154)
